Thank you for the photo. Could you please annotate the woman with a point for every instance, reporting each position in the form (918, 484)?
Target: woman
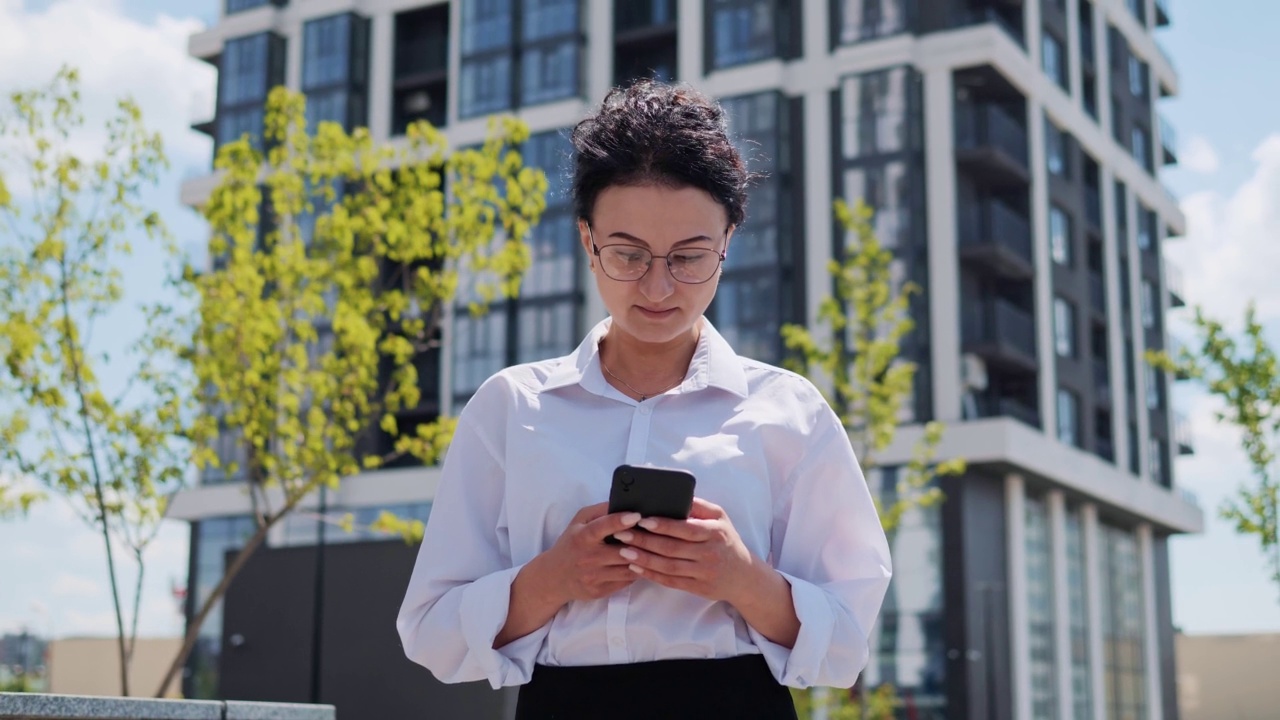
(780, 570)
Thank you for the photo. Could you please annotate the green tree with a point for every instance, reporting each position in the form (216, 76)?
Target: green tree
(1243, 374)
(870, 383)
(63, 240)
(311, 318)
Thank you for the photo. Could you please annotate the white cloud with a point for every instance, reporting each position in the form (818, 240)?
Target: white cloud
(1231, 254)
(116, 56)
(70, 585)
(1199, 156)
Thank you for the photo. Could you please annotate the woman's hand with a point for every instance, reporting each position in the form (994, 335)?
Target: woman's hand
(580, 566)
(704, 555)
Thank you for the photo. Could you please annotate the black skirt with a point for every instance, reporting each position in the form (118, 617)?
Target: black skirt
(742, 688)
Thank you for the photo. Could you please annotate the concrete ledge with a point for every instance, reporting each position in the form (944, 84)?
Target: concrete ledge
(32, 706)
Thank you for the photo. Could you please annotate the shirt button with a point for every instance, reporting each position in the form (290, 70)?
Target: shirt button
(616, 641)
(644, 409)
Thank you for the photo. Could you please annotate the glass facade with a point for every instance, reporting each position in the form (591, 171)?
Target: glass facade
(1068, 417)
(758, 288)
(1053, 59)
(1040, 611)
(1064, 328)
(545, 320)
(881, 162)
(1078, 616)
(235, 6)
(212, 538)
(910, 649)
(743, 31)
(248, 68)
(421, 85)
(335, 62)
(518, 52)
(1123, 625)
(1060, 235)
(860, 20)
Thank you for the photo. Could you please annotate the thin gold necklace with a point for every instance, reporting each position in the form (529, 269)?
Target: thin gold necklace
(643, 395)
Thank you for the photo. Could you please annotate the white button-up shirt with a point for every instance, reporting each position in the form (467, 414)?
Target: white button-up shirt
(540, 441)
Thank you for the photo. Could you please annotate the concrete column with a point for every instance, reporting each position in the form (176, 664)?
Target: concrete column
(1057, 506)
(598, 23)
(1075, 74)
(1094, 568)
(944, 261)
(381, 69)
(1112, 242)
(1033, 31)
(455, 61)
(1043, 282)
(819, 219)
(1151, 635)
(689, 40)
(1100, 60)
(1019, 635)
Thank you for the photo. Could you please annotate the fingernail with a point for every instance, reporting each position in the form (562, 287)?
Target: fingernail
(631, 519)
(625, 536)
(636, 569)
(628, 554)
(649, 524)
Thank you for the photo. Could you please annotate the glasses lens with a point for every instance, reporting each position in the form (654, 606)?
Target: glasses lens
(693, 265)
(625, 262)
(629, 263)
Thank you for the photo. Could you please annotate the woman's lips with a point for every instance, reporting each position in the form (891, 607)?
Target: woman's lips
(655, 314)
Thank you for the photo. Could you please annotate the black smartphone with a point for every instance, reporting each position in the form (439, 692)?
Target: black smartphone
(652, 492)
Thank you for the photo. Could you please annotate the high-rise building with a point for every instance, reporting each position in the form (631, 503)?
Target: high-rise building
(1011, 150)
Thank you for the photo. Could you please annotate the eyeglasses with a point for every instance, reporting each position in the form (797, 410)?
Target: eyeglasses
(629, 263)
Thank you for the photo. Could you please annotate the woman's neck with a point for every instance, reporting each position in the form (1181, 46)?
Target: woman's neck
(649, 367)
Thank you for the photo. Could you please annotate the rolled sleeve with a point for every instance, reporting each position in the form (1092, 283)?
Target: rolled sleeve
(829, 545)
(483, 606)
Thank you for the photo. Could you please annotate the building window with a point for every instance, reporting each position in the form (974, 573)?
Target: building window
(1137, 7)
(249, 67)
(867, 19)
(1055, 141)
(1137, 77)
(421, 85)
(1068, 418)
(743, 31)
(235, 6)
(214, 538)
(1146, 227)
(479, 348)
(638, 14)
(1040, 610)
(543, 57)
(874, 109)
(1148, 304)
(1060, 235)
(1078, 614)
(1053, 60)
(1153, 386)
(1064, 328)
(335, 52)
(1123, 625)
(1155, 459)
(1140, 144)
(754, 296)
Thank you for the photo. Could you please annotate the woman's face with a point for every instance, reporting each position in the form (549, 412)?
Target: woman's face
(656, 308)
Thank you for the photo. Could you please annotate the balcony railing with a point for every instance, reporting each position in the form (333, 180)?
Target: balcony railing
(980, 16)
(1016, 409)
(1168, 142)
(1098, 293)
(1173, 281)
(1093, 207)
(995, 232)
(1002, 332)
(1182, 435)
(1163, 18)
(985, 125)
(1105, 448)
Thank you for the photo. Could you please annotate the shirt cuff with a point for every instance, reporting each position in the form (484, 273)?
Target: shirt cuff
(801, 666)
(485, 603)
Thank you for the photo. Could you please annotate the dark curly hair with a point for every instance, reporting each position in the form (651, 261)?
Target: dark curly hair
(652, 132)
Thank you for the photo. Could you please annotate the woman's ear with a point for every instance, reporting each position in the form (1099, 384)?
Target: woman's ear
(584, 237)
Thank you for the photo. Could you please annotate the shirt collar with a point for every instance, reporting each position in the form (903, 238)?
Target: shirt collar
(714, 364)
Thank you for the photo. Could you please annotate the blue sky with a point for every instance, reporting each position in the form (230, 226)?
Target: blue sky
(1228, 122)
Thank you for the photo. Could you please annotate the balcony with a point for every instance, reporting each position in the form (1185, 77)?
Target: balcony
(1182, 435)
(1002, 334)
(1173, 281)
(995, 235)
(984, 15)
(1098, 294)
(1093, 207)
(1163, 19)
(991, 142)
(1168, 143)
(1102, 382)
